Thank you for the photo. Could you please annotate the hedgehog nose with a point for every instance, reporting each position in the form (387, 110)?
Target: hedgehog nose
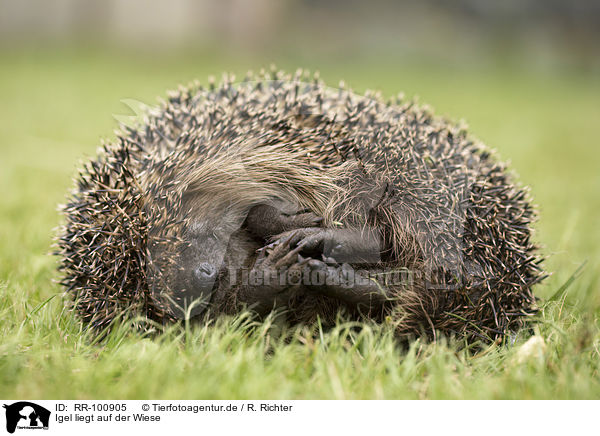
(206, 272)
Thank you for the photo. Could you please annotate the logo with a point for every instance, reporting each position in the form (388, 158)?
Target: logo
(26, 415)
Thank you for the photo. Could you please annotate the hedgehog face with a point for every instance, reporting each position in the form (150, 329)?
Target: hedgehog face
(195, 276)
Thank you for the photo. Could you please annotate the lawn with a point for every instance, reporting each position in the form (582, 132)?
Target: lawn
(56, 106)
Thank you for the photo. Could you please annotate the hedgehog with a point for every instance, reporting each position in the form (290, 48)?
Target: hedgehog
(279, 193)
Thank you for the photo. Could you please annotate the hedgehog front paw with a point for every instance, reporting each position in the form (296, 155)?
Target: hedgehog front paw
(277, 273)
(352, 246)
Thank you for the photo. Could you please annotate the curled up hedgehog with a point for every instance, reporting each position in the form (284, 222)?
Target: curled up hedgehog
(280, 193)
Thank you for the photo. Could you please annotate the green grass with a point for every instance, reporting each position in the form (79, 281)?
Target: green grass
(56, 106)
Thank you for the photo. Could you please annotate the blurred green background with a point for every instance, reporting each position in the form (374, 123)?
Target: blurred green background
(524, 75)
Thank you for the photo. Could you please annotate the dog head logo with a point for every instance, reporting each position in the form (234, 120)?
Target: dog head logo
(26, 415)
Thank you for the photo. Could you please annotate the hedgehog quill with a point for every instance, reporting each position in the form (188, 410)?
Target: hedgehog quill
(278, 192)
